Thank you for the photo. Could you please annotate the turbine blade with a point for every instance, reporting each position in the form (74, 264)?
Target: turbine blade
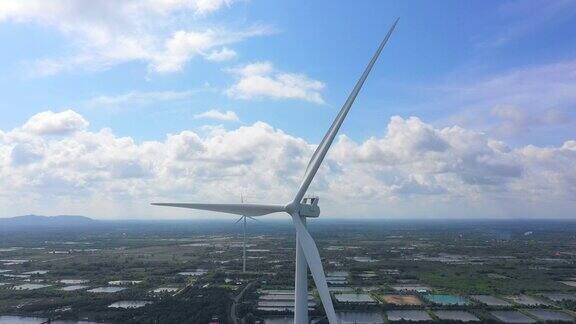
(252, 218)
(322, 149)
(238, 209)
(239, 219)
(315, 264)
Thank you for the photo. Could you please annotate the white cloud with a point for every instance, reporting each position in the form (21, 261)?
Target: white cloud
(184, 45)
(415, 169)
(25, 153)
(260, 80)
(207, 6)
(555, 85)
(520, 104)
(138, 98)
(513, 120)
(218, 115)
(224, 54)
(51, 123)
(160, 33)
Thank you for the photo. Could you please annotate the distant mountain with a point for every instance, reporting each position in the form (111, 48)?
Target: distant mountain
(47, 221)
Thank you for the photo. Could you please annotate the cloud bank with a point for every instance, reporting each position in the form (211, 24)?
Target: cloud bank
(164, 34)
(54, 164)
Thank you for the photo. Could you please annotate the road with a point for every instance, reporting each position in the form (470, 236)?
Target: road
(235, 301)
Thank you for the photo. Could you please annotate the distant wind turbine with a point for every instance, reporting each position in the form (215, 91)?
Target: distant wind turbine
(243, 219)
(299, 209)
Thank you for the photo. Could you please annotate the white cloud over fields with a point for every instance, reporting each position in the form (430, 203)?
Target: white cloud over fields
(413, 170)
(261, 80)
(164, 34)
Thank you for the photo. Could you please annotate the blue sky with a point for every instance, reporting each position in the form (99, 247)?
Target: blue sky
(325, 40)
(503, 70)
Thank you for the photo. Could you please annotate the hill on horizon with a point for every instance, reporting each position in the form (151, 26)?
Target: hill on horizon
(40, 220)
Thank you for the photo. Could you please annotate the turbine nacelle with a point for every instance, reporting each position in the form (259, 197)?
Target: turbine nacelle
(309, 207)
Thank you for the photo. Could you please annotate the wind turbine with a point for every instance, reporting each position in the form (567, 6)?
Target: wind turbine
(299, 209)
(243, 219)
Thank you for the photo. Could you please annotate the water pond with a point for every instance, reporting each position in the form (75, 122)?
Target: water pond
(408, 315)
(354, 298)
(490, 300)
(550, 315)
(36, 272)
(73, 288)
(512, 317)
(360, 317)
(456, 315)
(106, 289)
(165, 290)
(73, 281)
(124, 282)
(198, 272)
(29, 287)
(125, 304)
(446, 299)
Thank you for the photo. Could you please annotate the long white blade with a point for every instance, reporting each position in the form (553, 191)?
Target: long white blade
(322, 149)
(315, 264)
(238, 209)
(254, 219)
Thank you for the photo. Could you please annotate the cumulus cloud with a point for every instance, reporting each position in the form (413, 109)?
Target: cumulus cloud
(219, 115)
(160, 33)
(224, 54)
(184, 45)
(413, 170)
(25, 153)
(261, 80)
(51, 123)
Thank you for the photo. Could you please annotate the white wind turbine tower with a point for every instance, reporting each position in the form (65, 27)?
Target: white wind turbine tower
(299, 209)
